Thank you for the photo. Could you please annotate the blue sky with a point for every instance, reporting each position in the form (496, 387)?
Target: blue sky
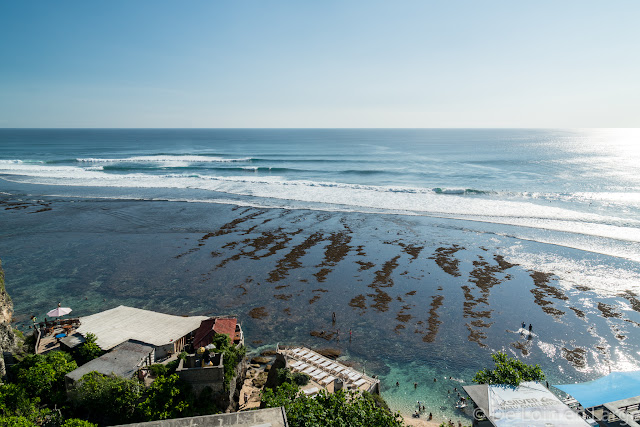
(320, 63)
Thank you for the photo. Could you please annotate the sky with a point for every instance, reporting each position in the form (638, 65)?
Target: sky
(320, 64)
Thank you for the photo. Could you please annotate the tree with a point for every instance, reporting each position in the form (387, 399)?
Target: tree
(43, 375)
(89, 350)
(107, 399)
(165, 398)
(329, 409)
(14, 400)
(509, 371)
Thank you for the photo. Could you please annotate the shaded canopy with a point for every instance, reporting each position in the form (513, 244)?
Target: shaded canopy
(612, 387)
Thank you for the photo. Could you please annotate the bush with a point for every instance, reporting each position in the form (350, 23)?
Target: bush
(221, 341)
(377, 399)
(231, 356)
(89, 350)
(298, 378)
(75, 422)
(172, 366)
(158, 369)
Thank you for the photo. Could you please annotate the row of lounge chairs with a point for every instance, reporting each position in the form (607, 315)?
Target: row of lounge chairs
(324, 370)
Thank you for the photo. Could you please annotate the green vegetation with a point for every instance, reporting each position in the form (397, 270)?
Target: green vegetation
(37, 395)
(231, 356)
(298, 378)
(40, 383)
(105, 399)
(167, 397)
(89, 350)
(509, 371)
(43, 375)
(158, 369)
(324, 409)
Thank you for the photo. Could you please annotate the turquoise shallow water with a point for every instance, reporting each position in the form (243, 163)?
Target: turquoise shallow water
(432, 246)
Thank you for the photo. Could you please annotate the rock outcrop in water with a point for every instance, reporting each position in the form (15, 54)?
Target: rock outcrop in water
(9, 340)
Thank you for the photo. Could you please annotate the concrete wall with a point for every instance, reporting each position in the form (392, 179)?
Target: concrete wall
(200, 377)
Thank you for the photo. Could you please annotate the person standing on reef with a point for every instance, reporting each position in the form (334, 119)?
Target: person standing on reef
(334, 317)
(530, 327)
(524, 325)
(350, 334)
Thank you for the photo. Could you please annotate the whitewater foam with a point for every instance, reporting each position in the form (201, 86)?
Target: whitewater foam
(163, 159)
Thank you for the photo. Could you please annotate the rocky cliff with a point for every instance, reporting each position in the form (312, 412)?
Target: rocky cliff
(9, 340)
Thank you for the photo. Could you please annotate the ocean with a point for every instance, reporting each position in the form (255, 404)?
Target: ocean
(432, 246)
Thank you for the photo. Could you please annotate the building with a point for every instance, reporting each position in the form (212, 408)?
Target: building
(167, 334)
(200, 375)
(123, 361)
(529, 404)
(218, 325)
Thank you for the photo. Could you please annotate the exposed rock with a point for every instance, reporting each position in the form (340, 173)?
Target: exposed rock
(268, 353)
(260, 360)
(331, 353)
(9, 340)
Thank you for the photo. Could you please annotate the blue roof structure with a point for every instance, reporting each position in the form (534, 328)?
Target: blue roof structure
(612, 387)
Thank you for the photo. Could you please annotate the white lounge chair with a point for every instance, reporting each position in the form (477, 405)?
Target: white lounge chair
(354, 376)
(319, 376)
(309, 370)
(301, 367)
(311, 391)
(360, 382)
(328, 380)
(314, 359)
(296, 364)
(326, 363)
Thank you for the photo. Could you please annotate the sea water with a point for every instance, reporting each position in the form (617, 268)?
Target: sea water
(432, 246)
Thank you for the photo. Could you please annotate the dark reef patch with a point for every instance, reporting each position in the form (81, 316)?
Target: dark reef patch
(577, 356)
(445, 260)
(258, 313)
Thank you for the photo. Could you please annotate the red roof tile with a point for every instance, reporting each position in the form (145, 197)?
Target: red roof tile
(226, 326)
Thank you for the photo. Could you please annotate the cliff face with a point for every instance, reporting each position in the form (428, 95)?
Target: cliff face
(6, 306)
(9, 341)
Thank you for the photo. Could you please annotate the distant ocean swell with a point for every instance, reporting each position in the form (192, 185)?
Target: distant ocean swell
(437, 202)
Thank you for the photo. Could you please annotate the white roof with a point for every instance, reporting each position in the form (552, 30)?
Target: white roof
(120, 324)
(529, 404)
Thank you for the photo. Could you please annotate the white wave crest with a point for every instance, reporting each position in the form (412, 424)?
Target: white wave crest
(163, 159)
(352, 197)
